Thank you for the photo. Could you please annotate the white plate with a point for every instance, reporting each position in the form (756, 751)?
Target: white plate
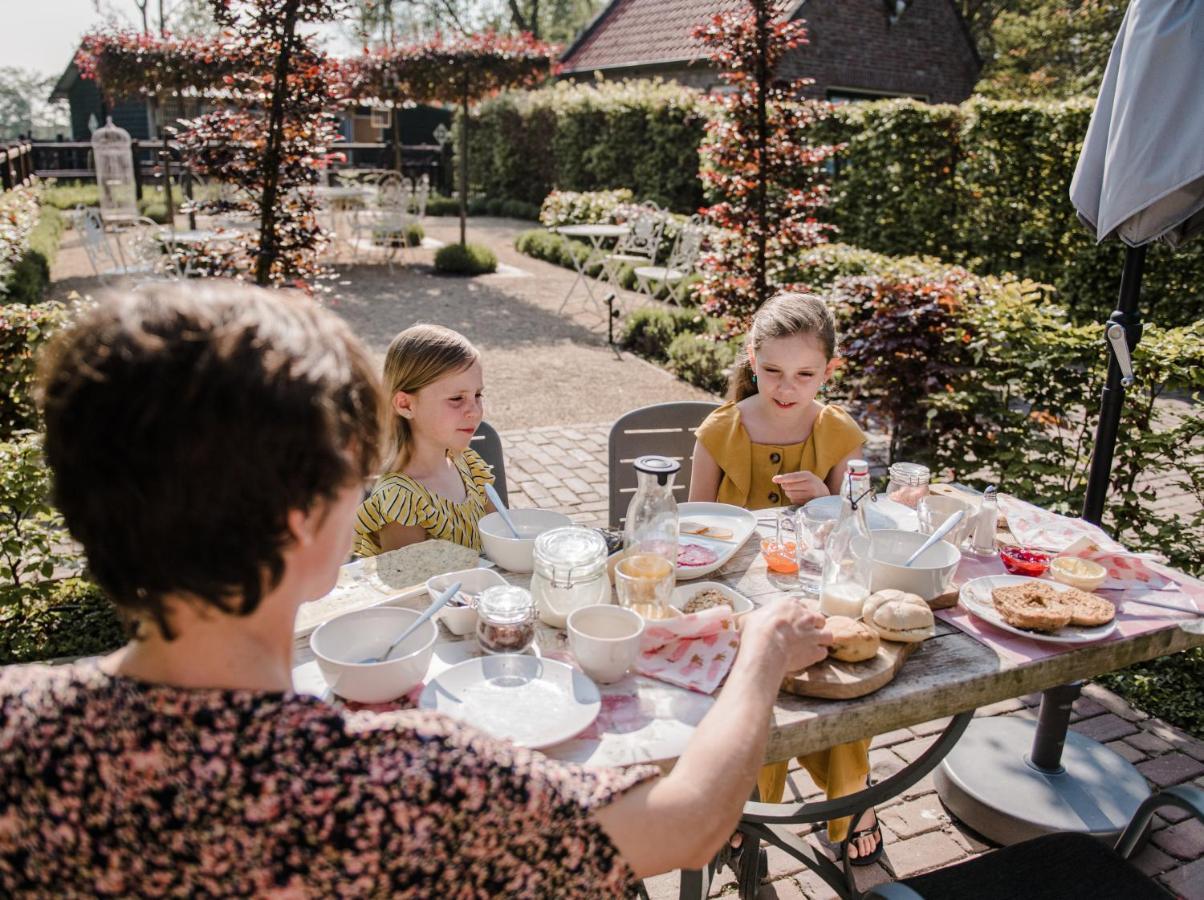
(530, 701)
(681, 596)
(880, 514)
(740, 522)
(975, 597)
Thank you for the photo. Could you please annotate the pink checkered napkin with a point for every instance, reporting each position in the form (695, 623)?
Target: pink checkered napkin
(694, 652)
(1041, 529)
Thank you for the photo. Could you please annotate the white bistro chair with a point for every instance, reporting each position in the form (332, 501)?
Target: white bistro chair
(638, 246)
(681, 263)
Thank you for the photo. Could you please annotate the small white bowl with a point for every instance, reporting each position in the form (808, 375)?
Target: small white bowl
(461, 620)
(511, 553)
(341, 643)
(929, 576)
(681, 596)
(1060, 571)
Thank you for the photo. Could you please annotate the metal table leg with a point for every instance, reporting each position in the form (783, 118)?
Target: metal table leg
(768, 821)
(1012, 780)
(582, 266)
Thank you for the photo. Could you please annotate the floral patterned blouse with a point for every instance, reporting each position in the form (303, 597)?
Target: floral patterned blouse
(112, 787)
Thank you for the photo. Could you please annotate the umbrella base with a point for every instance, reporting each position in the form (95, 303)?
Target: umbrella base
(990, 784)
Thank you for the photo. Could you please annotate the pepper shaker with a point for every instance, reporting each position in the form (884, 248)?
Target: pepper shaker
(983, 541)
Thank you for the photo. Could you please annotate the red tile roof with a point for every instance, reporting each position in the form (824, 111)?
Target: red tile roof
(638, 32)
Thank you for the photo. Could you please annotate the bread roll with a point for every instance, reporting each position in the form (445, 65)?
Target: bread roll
(852, 641)
(899, 616)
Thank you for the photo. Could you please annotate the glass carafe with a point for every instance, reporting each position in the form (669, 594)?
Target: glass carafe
(846, 577)
(651, 525)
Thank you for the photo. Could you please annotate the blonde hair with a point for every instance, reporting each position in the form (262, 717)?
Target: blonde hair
(418, 356)
(784, 315)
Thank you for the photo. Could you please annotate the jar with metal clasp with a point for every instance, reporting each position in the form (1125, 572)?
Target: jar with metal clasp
(505, 619)
(908, 483)
(570, 572)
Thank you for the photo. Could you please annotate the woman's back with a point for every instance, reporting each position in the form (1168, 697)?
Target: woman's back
(111, 786)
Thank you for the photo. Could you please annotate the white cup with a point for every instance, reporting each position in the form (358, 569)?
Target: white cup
(605, 640)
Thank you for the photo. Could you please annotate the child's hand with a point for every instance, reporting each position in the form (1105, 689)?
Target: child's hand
(800, 487)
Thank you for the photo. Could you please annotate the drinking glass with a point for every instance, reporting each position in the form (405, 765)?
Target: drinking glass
(644, 582)
(811, 530)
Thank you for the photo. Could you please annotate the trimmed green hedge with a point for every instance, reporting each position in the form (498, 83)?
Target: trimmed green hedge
(1170, 688)
(53, 619)
(23, 330)
(641, 135)
(470, 259)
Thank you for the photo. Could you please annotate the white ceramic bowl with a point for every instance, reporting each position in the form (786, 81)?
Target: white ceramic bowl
(605, 640)
(511, 553)
(341, 643)
(461, 620)
(929, 576)
(682, 593)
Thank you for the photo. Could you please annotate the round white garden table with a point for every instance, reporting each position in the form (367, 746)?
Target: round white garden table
(597, 235)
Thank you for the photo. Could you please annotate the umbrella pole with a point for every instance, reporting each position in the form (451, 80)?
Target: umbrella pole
(1066, 782)
(1128, 317)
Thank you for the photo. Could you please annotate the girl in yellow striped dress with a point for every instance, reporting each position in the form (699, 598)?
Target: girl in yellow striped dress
(433, 485)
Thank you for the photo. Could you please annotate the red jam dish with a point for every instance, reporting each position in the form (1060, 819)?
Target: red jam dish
(1019, 561)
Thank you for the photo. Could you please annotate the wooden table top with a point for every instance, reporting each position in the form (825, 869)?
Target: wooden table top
(647, 721)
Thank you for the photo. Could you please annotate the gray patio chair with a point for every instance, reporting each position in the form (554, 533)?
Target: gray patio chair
(680, 265)
(487, 443)
(639, 246)
(1053, 867)
(666, 429)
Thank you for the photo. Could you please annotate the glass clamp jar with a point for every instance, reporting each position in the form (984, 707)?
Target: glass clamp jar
(569, 572)
(505, 619)
(908, 483)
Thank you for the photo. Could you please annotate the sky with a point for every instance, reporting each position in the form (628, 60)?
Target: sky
(43, 34)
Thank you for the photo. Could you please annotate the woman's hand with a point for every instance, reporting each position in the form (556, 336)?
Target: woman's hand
(799, 487)
(790, 629)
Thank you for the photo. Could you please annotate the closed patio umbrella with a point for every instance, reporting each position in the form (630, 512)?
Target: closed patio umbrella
(1140, 178)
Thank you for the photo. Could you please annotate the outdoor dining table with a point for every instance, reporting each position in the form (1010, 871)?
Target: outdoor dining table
(598, 235)
(950, 675)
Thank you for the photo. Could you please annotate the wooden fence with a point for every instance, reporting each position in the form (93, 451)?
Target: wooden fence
(16, 165)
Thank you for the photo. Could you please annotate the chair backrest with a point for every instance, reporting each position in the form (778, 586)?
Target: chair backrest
(647, 224)
(666, 429)
(393, 191)
(422, 192)
(96, 242)
(487, 443)
(148, 250)
(688, 245)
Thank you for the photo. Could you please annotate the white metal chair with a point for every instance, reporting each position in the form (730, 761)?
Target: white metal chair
(639, 246)
(385, 224)
(138, 252)
(666, 429)
(680, 265)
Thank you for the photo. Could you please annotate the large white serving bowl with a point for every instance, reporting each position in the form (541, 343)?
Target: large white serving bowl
(929, 576)
(341, 643)
(516, 554)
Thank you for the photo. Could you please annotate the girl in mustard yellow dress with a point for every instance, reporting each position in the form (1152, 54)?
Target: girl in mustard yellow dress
(772, 444)
(433, 486)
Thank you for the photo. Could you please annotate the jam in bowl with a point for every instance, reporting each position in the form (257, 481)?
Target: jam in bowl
(1020, 561)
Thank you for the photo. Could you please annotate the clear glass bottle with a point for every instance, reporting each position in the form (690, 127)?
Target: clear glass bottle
(569, 572)
(846, 578)
(982, 541)
(505, 619)
(651, 525)
(908, 483)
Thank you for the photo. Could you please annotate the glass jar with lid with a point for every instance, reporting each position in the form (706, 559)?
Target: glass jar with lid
(908, 483)
(505, 619)
(570, 572)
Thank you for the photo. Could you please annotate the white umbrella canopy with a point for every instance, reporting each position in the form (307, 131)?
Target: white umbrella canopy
(1140, 175)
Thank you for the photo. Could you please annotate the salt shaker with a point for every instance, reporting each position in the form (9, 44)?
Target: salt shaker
(983, 541)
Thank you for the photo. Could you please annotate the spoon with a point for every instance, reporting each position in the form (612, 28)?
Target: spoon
(943, 529)
(496, 499)
(439, 603)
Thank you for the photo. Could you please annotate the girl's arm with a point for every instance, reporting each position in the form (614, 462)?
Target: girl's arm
(681, 820)
(836, 477)
(704, 476)
(395, 535)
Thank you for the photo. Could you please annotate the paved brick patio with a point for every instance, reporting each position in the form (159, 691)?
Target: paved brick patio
(565, 468)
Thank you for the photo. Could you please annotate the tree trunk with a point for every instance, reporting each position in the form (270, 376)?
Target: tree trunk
(268, 239)
(397, 140)
(761, 234)
(464, 166)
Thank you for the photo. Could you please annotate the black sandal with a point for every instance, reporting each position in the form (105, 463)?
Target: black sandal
(870, 831)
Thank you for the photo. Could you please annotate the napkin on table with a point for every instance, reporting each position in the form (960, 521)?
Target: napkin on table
(694, 652)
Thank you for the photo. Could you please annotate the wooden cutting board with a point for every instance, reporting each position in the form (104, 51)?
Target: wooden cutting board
(835, 680)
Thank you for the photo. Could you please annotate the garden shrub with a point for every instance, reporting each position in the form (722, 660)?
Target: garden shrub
(703, 360)
(438, 205)
(414, 233)
(23, 330)
(642, 135)
(469, 259)
(582, 207)
(1170, 688)
(650, 330)
(69, 617)
(31, 530)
